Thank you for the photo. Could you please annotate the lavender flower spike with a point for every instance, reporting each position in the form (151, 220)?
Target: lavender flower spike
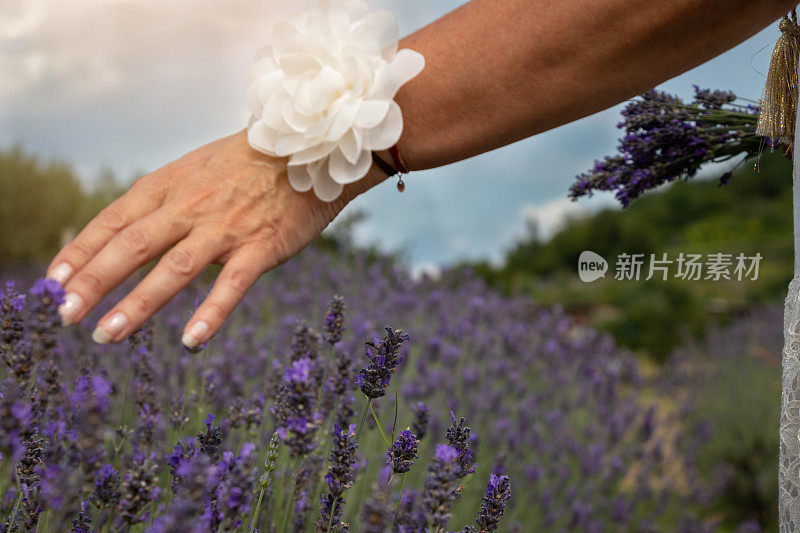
(420, 425)
(493, 504)
(384, 357)
(458, 435)
(440, 489)
(339, 478)
(334, 321)
(295, 408)
(403, 451)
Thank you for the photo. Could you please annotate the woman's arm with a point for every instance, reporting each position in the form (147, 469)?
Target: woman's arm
(497, 71)
(502, 70)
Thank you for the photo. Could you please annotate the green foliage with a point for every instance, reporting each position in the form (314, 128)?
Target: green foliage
(751, 215)
(42, 205)
(733, 382)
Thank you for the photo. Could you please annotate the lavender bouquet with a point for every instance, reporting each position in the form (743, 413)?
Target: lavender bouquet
(667, 139)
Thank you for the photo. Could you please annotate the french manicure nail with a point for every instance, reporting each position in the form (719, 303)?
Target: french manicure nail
(193, 337)
(70, 308)
(61, 273)
(110, 328)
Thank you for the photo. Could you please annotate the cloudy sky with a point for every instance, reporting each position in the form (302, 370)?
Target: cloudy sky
(133, 84)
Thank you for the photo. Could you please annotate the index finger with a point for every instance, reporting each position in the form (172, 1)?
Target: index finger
(140, 200)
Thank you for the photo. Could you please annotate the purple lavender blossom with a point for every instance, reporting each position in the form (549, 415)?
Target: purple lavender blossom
(139, 489)
(493, 504)
(420, 425)
(334, 321)
(83, 522)
(295, 408)
(11, 321)
(440, 489)
(106, 487)
(47, 296)
(233, 491)
(305, 486)
(403, 451)
(246, 414)
(211, 440)
(377, 513)
(192, 506)
(384, 357)
(181, 452)
(458, 435)
(16, 419)
(339, 478)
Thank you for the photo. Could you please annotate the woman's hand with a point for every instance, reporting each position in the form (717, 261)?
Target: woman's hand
(222, 203)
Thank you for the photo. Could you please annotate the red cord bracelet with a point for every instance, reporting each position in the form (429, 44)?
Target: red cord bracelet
(398, 169)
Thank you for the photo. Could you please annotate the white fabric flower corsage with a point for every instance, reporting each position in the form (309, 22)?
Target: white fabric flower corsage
(323, 93)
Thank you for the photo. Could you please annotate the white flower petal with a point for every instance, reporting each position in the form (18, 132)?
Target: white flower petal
(325, 188)
(363, 37)
(356, 8)
(406, 65)
(287, 39)
(296, 121)
(372, 112)
(344, 172)
(261, 53)
(314, 153)
(289, 143)
(299, 177)
(384, 24)
(387, 133)
(339, 20)
(324, 88)
(343, 120)
(299, 63)
(389, 77)
(260, 90)
(260, 67)
(271, 113)
(350, 145)
(262, 137)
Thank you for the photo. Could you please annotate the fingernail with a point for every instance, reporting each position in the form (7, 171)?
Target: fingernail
(110, 328)
(70, 308)
(193, 337)
(61, 273)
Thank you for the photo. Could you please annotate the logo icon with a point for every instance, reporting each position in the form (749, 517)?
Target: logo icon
(591, 266)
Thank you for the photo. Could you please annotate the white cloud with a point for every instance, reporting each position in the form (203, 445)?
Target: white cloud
(549, 217)
(62, 50)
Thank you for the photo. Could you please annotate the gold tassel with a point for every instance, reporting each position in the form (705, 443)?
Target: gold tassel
(779, 101)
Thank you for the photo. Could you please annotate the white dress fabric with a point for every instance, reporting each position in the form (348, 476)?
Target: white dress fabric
(789, 469)
(789, 461)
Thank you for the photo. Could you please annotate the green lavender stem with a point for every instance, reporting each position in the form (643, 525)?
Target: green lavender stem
(400, 497)
(333, 509)
(363, 416)
(257, 514)
(383, 435)
(288, 512)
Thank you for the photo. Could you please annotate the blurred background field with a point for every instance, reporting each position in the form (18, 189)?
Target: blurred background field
(705, 382)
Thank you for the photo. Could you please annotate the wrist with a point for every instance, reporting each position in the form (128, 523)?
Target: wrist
(375, 176)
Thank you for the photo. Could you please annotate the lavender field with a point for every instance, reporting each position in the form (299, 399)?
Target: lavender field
(310, 413)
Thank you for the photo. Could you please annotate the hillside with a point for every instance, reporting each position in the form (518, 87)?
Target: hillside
(750, 215)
